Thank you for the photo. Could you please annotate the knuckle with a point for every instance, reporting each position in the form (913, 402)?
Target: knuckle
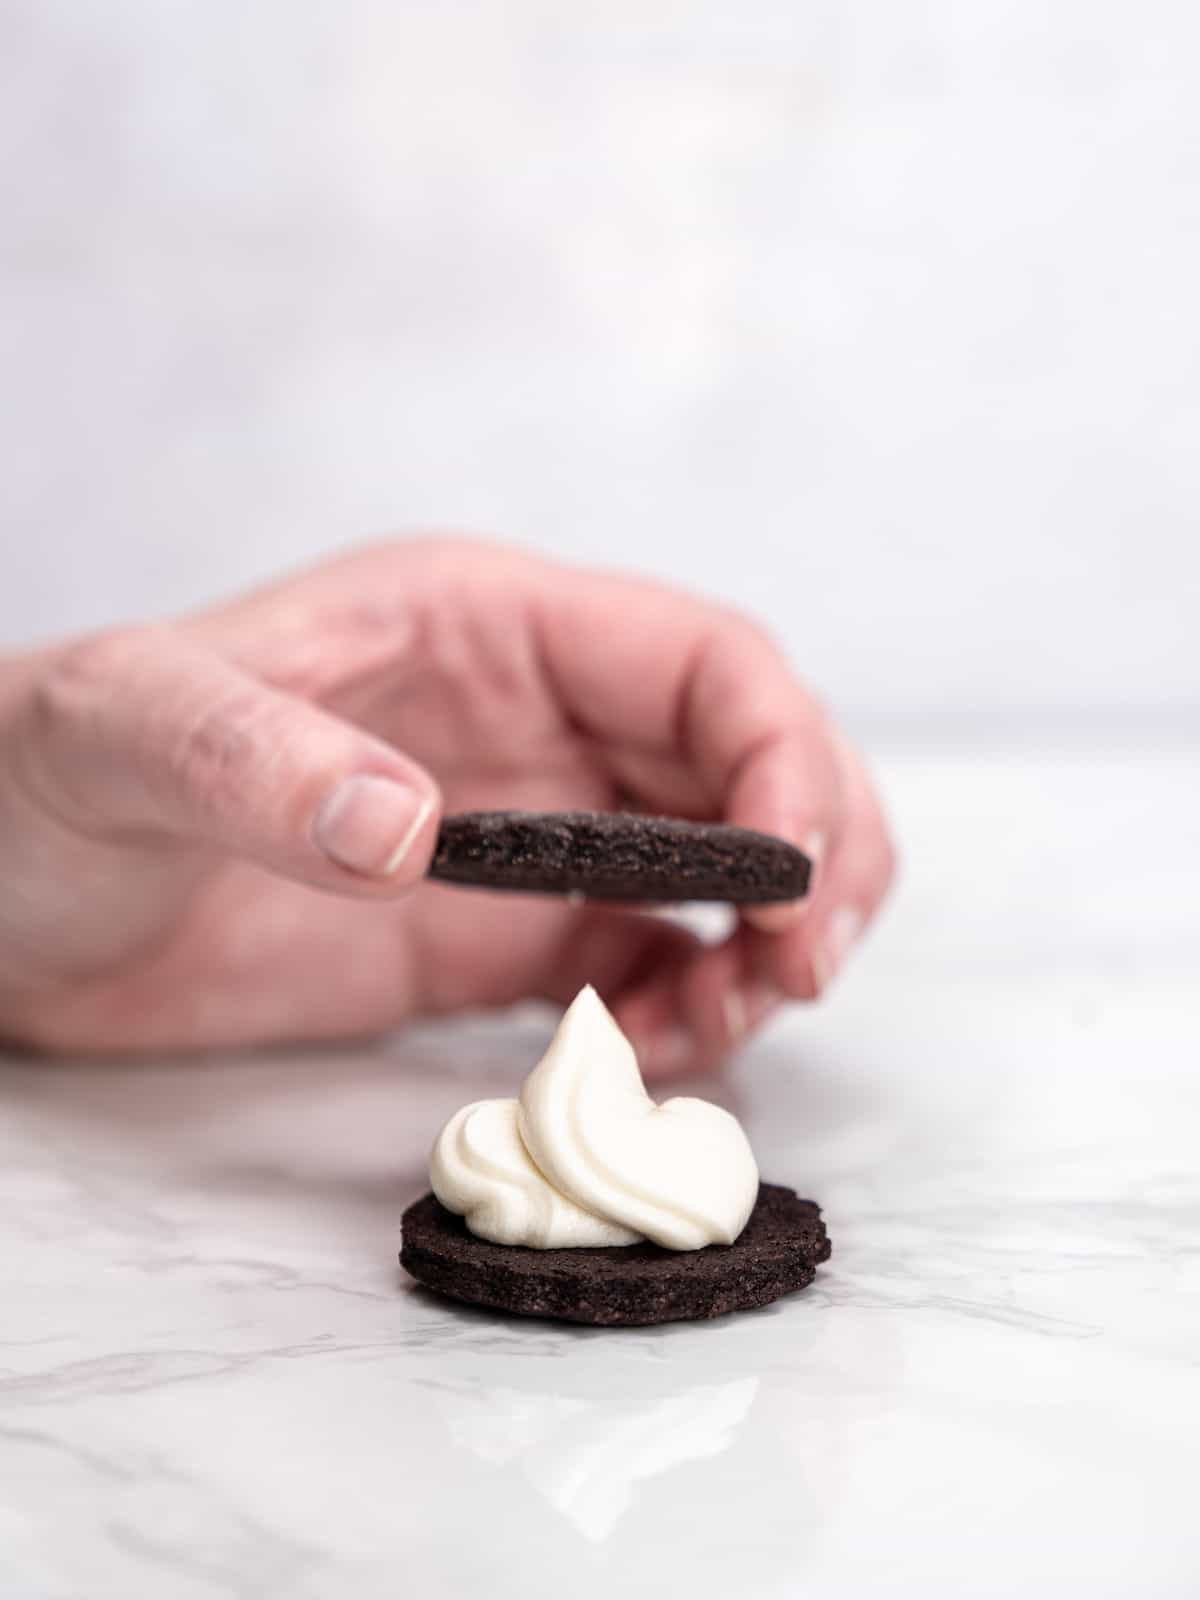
(101, 657)
(215, 748)
(69, 698)
(742, 644)
(432, 555)
(83, 676)
(745, 632)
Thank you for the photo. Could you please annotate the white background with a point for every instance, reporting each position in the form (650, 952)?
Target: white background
(880, 318)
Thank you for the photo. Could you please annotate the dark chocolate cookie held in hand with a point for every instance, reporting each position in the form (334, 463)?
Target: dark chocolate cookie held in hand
(217, 831)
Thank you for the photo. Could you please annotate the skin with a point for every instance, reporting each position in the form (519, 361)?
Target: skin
(168, 881)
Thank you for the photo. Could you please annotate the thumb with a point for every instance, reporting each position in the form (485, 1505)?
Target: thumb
(138, 733)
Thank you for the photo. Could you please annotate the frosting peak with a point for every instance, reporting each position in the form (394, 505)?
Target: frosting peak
(586, 1158)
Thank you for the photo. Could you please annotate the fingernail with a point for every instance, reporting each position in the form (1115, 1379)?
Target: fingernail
(784, 914)
(845, 925)
(761, 1000)
(744, 1008)
(369, 824)
(733, 1012)
(813, 847)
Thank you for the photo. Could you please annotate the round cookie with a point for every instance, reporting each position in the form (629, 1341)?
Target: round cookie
(777, 1252)
(614, 855)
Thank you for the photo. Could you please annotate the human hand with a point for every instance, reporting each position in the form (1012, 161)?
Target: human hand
(215, 832)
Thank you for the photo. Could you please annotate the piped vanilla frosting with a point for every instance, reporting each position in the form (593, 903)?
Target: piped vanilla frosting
(585, 1157)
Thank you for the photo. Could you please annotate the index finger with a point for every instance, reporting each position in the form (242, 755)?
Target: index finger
(640, 667)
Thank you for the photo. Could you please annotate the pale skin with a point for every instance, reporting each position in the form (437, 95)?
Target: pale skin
(184, 866)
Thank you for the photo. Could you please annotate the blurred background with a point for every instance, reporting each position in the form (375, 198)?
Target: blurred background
(879, 319)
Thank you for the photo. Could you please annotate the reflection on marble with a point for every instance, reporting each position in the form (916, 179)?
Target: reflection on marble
(584, 1456)
(216, 1383)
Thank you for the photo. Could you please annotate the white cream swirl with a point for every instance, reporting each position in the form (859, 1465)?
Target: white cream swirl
(586, 1158)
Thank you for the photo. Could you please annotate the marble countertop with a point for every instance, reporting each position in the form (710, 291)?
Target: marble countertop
(215, 1381)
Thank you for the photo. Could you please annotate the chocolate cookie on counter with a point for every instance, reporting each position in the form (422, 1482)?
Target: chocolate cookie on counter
(776, 1253)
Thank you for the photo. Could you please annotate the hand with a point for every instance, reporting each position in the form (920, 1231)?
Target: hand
(215, 833)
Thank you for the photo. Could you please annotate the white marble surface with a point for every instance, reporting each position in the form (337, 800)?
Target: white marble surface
(214, 1381)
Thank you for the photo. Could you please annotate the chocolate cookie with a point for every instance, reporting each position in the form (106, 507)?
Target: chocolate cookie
(621, 1286)
(617, 856)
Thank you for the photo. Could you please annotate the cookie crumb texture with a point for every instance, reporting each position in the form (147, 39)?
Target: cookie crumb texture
(776, 1253)
(617, 856)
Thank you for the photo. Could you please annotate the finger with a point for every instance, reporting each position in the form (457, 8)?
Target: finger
(637, 963)
(792, 787)
(697, 1006)
(140, 733)
(727, 991)
(383, 609)
(697, 691)
(803, 961)
(616, 951)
